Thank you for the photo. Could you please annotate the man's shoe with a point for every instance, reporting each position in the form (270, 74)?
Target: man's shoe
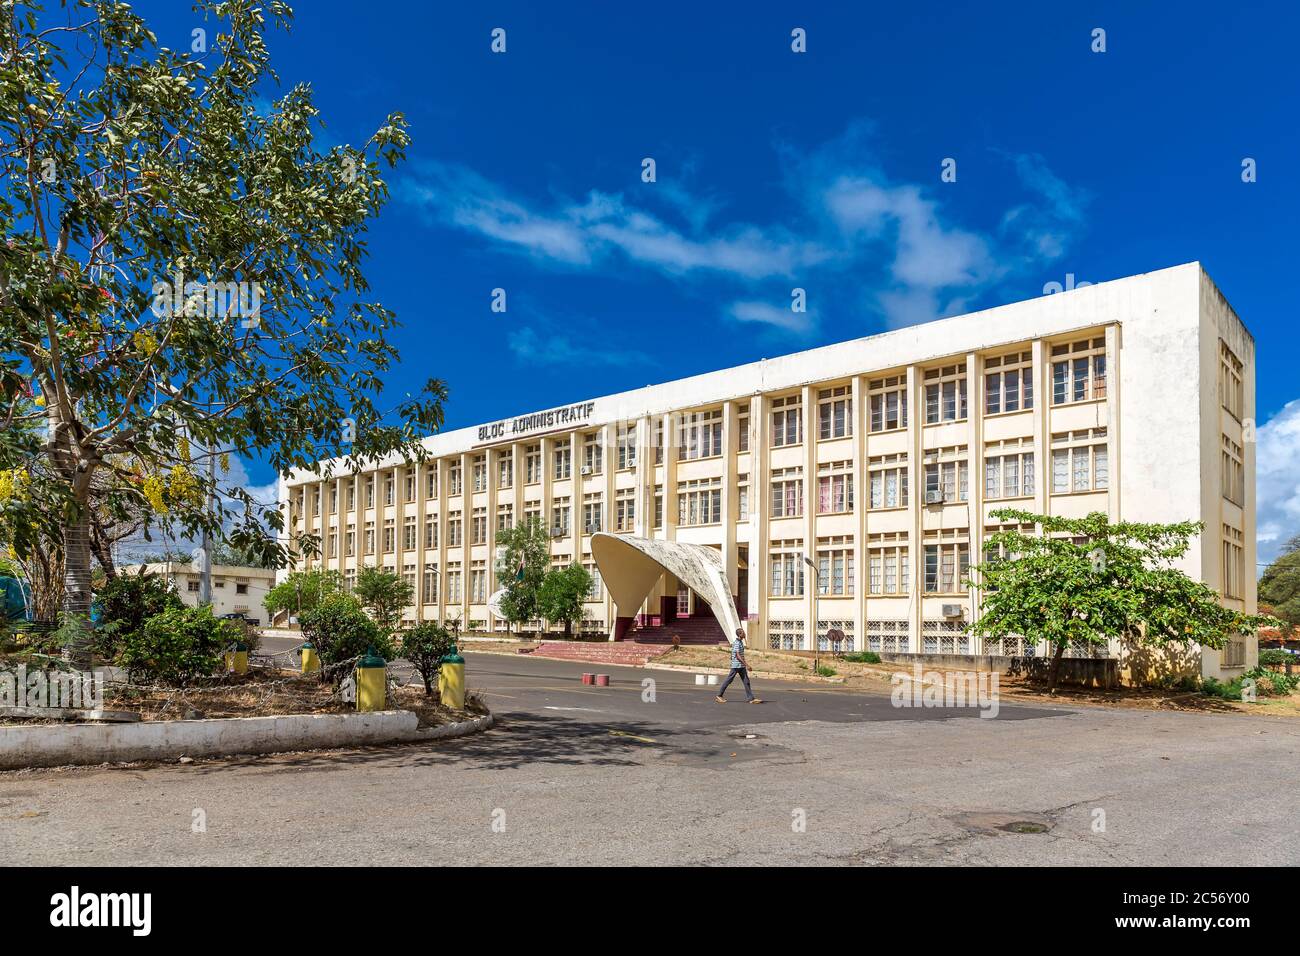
(755, 700)
(720, 700)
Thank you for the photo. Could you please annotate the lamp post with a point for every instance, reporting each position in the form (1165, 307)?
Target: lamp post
(817, 594)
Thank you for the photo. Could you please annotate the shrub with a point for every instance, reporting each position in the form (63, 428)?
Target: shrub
(125, 603)
(824, 671)
(1267, 684)
(424, 646)
(863, 657)
(340, 632)
(1275, 657)
(177, 646)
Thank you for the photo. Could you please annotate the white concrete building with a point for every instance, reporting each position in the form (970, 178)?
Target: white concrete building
(880, 458)
(235, 589)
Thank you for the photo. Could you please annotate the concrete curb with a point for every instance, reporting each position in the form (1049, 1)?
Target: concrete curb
(61, 744)
(765, 675)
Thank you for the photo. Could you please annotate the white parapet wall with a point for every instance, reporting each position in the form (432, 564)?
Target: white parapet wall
(46, 745)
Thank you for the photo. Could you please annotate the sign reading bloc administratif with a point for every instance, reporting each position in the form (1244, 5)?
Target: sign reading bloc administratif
(566, 416)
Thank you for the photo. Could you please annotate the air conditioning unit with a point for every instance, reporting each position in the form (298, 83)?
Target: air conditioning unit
(592, 527)
(934, 497)
(557, 532)
(953, 610)
(586, 470)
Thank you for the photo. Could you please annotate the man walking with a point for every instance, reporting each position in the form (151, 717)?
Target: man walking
(738, 667)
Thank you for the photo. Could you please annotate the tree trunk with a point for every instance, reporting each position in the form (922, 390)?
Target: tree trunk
(1055, 670)
(76, 589)
(568, 630)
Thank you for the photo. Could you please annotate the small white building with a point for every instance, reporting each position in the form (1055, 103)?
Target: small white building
(235, 589)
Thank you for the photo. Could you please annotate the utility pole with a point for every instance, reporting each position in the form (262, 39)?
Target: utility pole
(205, 570)
(817, 593)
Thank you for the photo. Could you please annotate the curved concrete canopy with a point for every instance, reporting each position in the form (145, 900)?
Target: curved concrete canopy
(630, 567)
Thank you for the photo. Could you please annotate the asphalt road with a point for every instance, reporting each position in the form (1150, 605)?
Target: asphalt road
(587, 775)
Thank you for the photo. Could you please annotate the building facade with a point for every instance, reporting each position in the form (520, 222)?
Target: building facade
(876, 461)
(235, 589)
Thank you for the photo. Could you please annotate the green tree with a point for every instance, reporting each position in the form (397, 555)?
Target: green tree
(301, 591)
(385, 596)
(1087, 580)
(341, 632)
(423, 647)
(562, 594)
(182, 275)
(1279, 585)
(524, 563)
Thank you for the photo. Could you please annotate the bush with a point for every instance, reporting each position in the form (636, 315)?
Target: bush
(863, 657)
(177, 646)
(424, 646)
(1275, 657)
(340, 631)
(824, 671)
(125, 603)
(1267, 684)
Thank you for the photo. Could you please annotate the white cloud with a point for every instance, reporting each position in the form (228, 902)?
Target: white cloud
(904, 255)
(1277, 481)
(765, 313)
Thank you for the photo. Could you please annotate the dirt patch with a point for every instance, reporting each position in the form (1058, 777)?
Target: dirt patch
(263, 692)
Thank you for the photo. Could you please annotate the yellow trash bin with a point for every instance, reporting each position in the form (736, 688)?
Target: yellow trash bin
(451, 680)
(237, 659)
(310, 659)
(372, 682)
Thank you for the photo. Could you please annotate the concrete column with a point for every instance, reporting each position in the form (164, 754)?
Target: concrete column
(760, 495)
(861, 499)
(975, 467)
(491, 458)
(730, 445)
(808, 412)
(916, 495)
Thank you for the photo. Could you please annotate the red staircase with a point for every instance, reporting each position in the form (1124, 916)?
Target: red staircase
(701, 629)
(646, 643)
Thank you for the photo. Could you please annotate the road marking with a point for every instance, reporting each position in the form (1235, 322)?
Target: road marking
(589, 710)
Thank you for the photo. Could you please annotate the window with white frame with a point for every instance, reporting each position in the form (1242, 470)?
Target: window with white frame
(370, 537)
(562, 456)
(595, 591)
(455, 530)
(409, 483)
(370, 491)
(699, 435)
(835, 571)
(478, 582)
(625, 509)
(505, 517)
(429, 586)
(785, 635)
(350, 541)
(352, 495)
(478, 526)
(1080, 461)
(454, 482)
(835, 487)
(333, 551)
(455, 589)
(1079, 371)
(890, 564)
(1232, 393)
(889, 636)
(659, 506)
(408, 533)
(408, 575)
(430, 532)
(430, 480)
(699, 502)
(835, 412)
(593, 455)
(940, 636)
(742, 430)
(1008, 383)
(1009, 469)
(787, 567)
(626, 438)
(388, 492)
(478, 471)
(742, 497)
(1234, 472)
(945, 394)
(947, 475)
(824, 642)
(947, 559)
(787, 421)
(787, 492)
(593, 513)
(1234, 562)
(532, 512)
(888, 400)
(657, 436)
(887, 477)
(532, 464)
(505, 470)
(560, 513)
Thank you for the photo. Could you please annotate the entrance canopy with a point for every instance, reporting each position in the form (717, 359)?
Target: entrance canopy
(631, 566)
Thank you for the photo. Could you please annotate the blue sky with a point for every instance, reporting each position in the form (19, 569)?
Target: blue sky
(818, 170)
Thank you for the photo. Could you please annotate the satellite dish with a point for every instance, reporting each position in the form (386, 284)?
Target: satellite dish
(494, 602)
